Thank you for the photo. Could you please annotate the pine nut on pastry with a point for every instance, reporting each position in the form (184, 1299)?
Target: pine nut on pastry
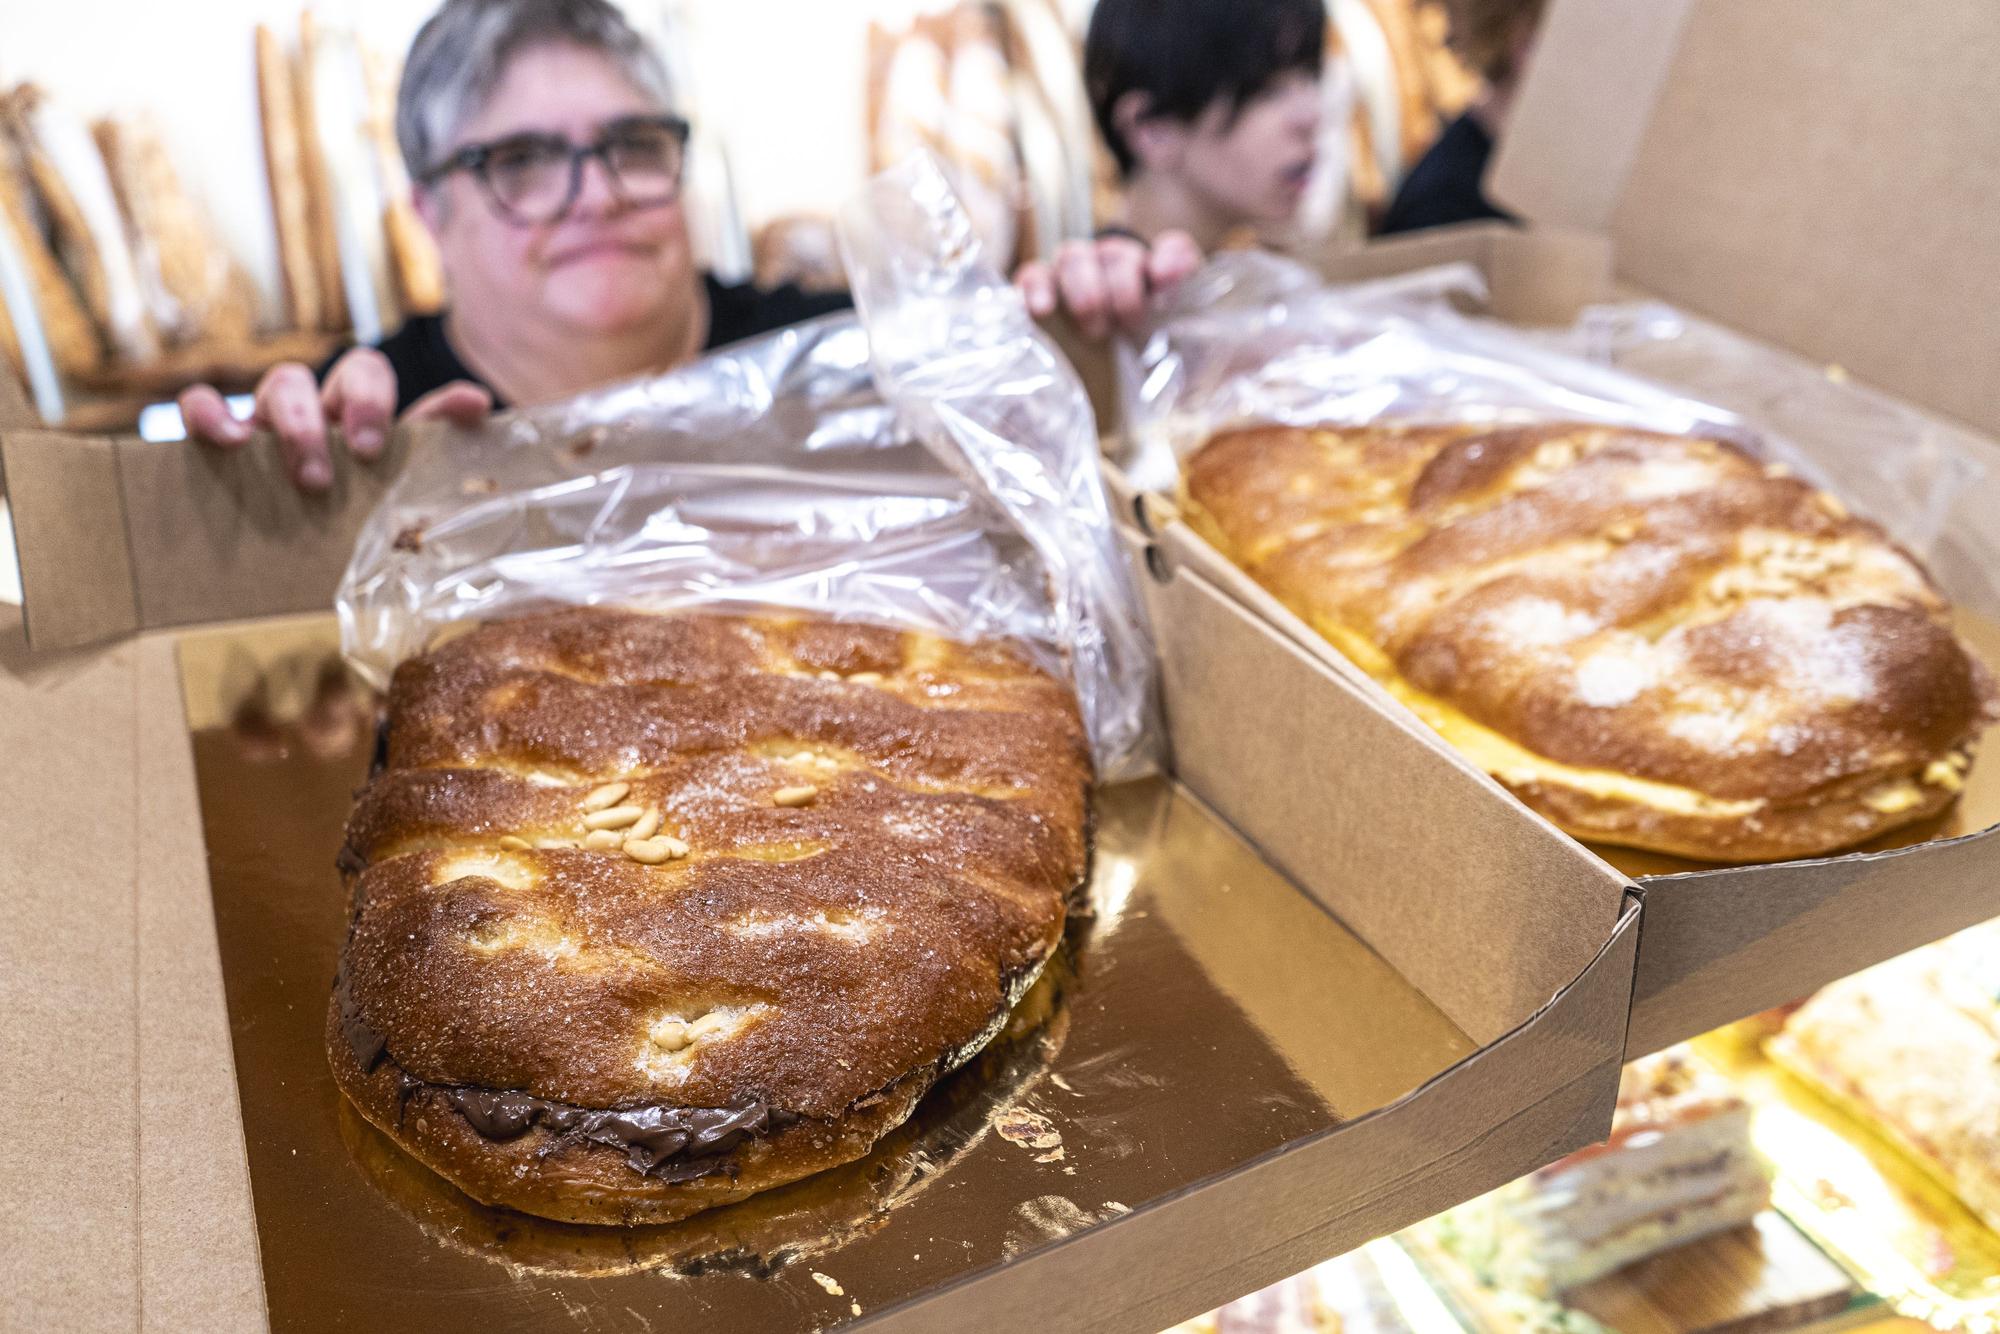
(653, 912)
(1653, 640)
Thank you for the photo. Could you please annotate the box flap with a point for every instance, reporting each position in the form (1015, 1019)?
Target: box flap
(1583, 108)
(109, 974)
(69, 898)
(69, 534)
(1814, 172)
(197, 1243)
(117, 534)
(1543, 276)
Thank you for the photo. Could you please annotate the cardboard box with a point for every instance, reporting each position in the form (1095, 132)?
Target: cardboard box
(109, 967)
(1712, 151)
(16, 411)
(114, 982)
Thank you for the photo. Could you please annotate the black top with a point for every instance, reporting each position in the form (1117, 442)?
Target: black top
(424, 358)
(1446, 185)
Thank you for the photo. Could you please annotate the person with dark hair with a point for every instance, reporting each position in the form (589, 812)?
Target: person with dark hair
(1448, 184)
(1211, 109)
(547, 161)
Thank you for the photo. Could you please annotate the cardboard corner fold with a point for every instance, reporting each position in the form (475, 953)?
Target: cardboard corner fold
(1582, 109)
(1546, 1088)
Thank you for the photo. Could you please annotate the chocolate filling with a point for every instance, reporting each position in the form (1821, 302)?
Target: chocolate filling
(369, 1046)
(670, 1143)
(349, 862)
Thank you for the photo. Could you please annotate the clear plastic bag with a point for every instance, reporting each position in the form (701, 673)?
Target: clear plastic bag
(1258, 338)
(957, 354)
(774, 473)
(1933, 484)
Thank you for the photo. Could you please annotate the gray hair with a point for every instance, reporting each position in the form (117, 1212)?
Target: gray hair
(462, 51)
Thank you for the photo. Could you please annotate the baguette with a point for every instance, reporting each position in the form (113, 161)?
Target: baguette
(75, 346)
(277, 102)
(195, 288)
(75, 189)
(322, 218)
(415, 268)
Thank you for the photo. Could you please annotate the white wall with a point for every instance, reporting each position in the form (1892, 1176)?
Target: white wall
(783, 84)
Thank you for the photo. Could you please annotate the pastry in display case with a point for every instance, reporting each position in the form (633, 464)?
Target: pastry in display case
(1913, 1046)
(1678, 1166)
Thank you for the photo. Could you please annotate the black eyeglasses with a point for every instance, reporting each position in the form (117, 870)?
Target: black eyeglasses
(535, 178)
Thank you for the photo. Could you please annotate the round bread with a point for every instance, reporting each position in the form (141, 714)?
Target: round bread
(1653, 640)
(655, 912)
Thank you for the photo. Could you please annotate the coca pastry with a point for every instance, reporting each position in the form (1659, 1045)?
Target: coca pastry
(1654, 640)
(653, 912)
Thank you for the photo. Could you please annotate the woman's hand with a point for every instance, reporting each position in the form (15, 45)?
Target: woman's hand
(1105, 283)
(358, 396)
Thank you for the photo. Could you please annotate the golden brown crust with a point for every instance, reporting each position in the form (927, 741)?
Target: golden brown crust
(1576, 600)
(807, 1218)
(848, 945)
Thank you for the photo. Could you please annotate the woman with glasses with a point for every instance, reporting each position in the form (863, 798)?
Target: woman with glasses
(548, 166)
